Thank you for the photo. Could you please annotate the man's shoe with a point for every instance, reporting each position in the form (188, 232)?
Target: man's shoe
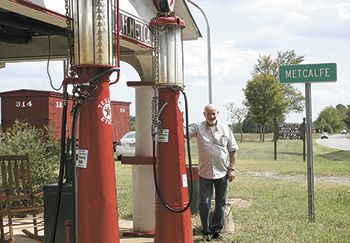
(216, 235)
(207, 237)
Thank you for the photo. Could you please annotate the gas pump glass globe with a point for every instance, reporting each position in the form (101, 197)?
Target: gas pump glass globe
(93, 30)
(170, 55)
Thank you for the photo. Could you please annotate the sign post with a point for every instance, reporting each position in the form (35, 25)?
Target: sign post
(310, 170)
(309, 73)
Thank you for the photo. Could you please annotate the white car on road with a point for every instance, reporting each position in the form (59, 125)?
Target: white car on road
(324, 135)
(126, 145)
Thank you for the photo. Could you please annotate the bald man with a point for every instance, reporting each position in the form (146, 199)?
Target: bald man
(216, 161)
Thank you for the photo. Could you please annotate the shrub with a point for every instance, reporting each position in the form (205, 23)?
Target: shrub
(43, 148)
(328, 128)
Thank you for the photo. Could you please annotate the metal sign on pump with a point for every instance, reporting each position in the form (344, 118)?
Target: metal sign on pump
(173, 217)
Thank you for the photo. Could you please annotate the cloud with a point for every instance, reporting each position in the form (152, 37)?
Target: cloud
(57, 6)
(303, 18)
(31, 75)
(343, 10)
(226, 57)
(195, 58)
(270, 6)
(197, 83)
(26, 69)
(319, 20)
(295, 17)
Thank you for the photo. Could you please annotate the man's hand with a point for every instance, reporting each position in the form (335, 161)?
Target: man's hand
(231, 175)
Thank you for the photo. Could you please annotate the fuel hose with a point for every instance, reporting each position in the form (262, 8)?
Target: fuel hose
(61, 169)
(189, 162)
(74, 170)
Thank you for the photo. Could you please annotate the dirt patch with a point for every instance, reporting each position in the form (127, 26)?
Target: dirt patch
(196, 222)
(238, 202)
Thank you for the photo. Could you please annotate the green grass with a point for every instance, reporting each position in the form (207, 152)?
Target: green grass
(124, 189)
(274, 194)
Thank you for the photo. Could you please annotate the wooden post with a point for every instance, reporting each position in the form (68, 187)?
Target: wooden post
(275, 137)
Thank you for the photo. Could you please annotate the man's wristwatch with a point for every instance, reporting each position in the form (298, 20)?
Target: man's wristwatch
(231, 168)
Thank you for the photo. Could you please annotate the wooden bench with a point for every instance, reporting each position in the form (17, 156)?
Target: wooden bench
(18, 199)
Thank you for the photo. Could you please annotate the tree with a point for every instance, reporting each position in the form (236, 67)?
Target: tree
(236, 113)
(321, 125)
(265, 100)
(248, 126)
(329, 120)
(342, 111)
(347, 117)
(266, 64)
(132, 123)
(42, 145)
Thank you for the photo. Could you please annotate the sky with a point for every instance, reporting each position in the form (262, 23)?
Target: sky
(241, 32)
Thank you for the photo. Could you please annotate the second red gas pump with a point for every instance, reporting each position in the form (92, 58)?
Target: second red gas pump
(173, 217)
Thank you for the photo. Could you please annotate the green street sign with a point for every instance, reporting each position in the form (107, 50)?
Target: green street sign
(308, 73)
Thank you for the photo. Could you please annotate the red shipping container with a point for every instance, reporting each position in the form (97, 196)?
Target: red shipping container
(42, 108)
(120, 119)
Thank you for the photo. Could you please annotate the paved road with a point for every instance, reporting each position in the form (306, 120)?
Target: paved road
(337, 141)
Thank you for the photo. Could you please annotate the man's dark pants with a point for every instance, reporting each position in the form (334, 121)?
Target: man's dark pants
(206, 189)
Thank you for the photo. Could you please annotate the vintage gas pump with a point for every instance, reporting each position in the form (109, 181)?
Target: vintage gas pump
(173, 220)
(96, 207)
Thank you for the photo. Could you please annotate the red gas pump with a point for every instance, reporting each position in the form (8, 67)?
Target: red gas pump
(97, 199)
(173, 220)
(96, 206)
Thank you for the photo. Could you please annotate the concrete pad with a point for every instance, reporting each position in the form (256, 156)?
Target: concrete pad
(124, 225)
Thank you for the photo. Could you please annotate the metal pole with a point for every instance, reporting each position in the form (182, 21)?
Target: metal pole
(209, 49)
(304, 139)
(310, 173)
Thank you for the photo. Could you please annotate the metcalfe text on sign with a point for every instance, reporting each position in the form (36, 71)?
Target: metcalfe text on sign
(308, 73)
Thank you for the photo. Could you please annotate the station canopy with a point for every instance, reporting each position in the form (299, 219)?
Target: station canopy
(33, 30)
